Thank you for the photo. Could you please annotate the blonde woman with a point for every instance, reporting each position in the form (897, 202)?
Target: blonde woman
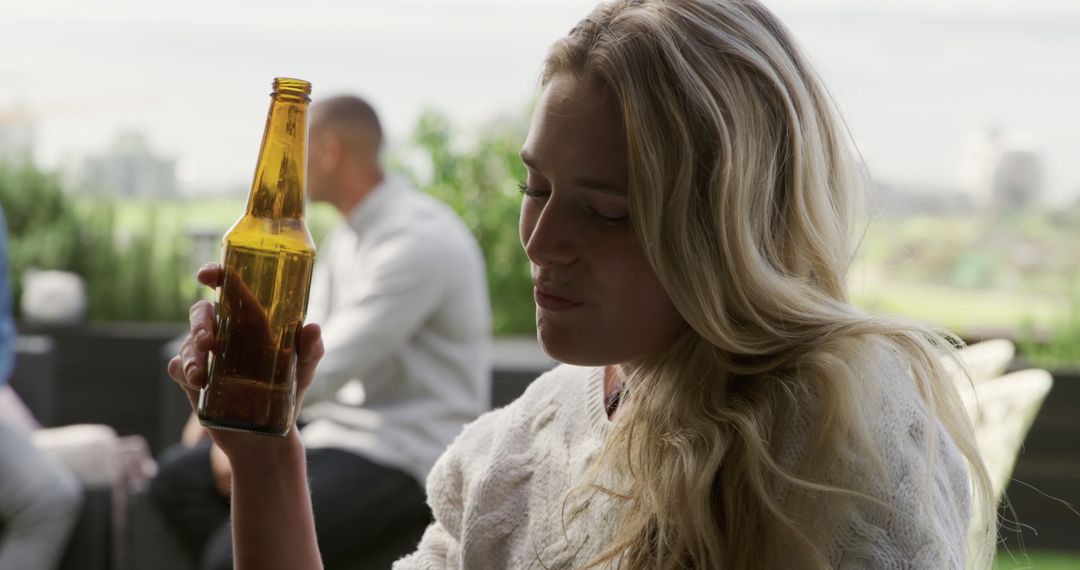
(688, 214)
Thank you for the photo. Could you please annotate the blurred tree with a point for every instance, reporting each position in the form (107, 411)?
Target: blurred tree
(139, 276)
(479, 181)
(1060, 347)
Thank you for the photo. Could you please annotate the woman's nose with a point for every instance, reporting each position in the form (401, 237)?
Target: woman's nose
(549, 234)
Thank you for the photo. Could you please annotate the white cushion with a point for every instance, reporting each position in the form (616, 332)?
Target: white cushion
(89, 450)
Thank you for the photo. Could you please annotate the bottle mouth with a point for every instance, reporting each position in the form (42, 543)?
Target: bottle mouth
(292, 87)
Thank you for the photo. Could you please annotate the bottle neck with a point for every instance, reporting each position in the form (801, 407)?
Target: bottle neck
(280, 175)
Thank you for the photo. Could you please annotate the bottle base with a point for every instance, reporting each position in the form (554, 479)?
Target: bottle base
(243, 428)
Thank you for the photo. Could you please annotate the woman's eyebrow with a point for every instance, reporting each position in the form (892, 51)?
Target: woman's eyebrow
(586, 182)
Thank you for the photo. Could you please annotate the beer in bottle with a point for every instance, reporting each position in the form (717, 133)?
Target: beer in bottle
(267, 256)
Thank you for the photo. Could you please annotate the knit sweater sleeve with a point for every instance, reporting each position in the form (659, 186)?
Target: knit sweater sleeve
(928, 494)
(915, 532)
(438, 550)
(440, 547)
(478, 465)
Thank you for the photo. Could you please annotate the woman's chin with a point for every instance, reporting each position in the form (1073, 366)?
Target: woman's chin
(565, 348)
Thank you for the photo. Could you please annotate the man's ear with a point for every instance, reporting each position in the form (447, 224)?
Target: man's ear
(330, 151)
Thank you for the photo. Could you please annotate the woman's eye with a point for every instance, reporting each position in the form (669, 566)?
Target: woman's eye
(531, 192)
(607, 219)
(603, 218)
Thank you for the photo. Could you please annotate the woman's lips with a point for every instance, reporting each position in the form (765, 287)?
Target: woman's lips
(552, 302)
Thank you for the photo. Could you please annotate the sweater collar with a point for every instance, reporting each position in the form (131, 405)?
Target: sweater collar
(593, 399)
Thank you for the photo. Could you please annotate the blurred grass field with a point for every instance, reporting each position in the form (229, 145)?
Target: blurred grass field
(882, 280)
(977, 276)
(1037, 561)
(210, 215)
(893, 273)
(965, 311)
(1010, 275)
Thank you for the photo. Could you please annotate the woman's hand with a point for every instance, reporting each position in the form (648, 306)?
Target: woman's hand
(272, 522)
(189, 370)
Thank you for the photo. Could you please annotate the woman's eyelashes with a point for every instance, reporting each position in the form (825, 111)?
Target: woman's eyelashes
(603, 217)
(608, 220)
(531, 192)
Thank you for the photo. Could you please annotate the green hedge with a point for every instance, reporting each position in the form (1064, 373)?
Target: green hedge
(480, 183)
(138, 275)
(142, 270)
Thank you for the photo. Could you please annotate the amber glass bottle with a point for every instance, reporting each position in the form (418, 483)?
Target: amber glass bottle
(268, 256)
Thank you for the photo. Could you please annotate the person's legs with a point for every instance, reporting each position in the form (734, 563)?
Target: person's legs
(366, 514)
(218, 552)
(184, 490)
(40, 502)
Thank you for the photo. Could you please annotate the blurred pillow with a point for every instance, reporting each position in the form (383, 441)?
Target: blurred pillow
(53, 297)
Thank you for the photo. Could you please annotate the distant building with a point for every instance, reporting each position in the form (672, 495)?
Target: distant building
(894, 200)
(897, 201)
(1001, 171)
(1016, 180)
(129, 169)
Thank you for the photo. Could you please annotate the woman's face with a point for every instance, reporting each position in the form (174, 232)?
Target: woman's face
(598, 301)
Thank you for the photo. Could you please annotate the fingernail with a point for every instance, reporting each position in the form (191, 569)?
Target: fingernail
(201, 337)
(204, 266)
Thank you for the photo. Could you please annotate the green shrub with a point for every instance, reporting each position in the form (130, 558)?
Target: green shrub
(142, 271)
(1060, 347)
(480, 184)
(136, 276)
(42, 225)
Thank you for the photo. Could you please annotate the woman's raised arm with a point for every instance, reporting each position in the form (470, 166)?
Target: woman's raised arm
(272, 523)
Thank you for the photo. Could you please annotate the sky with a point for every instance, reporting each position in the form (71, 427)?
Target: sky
(917, 80)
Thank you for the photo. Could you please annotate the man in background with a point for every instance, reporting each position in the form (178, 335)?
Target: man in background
(399, 289)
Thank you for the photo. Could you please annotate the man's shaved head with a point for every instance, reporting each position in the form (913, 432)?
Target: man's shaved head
(351, 118)
(343, 151)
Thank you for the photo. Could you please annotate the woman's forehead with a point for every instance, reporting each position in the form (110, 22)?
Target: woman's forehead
(574, 120)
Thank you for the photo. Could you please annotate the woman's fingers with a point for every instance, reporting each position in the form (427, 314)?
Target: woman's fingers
(176, 372)
(211, 275)
(310, 351)
(201, 316)
(191, 368)
(193, 363)
(188, 367)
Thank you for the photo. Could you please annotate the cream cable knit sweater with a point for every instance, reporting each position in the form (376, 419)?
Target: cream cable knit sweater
(498, 492)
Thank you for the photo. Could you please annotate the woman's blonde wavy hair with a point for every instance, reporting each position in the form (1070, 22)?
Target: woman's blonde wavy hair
(744, 198)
